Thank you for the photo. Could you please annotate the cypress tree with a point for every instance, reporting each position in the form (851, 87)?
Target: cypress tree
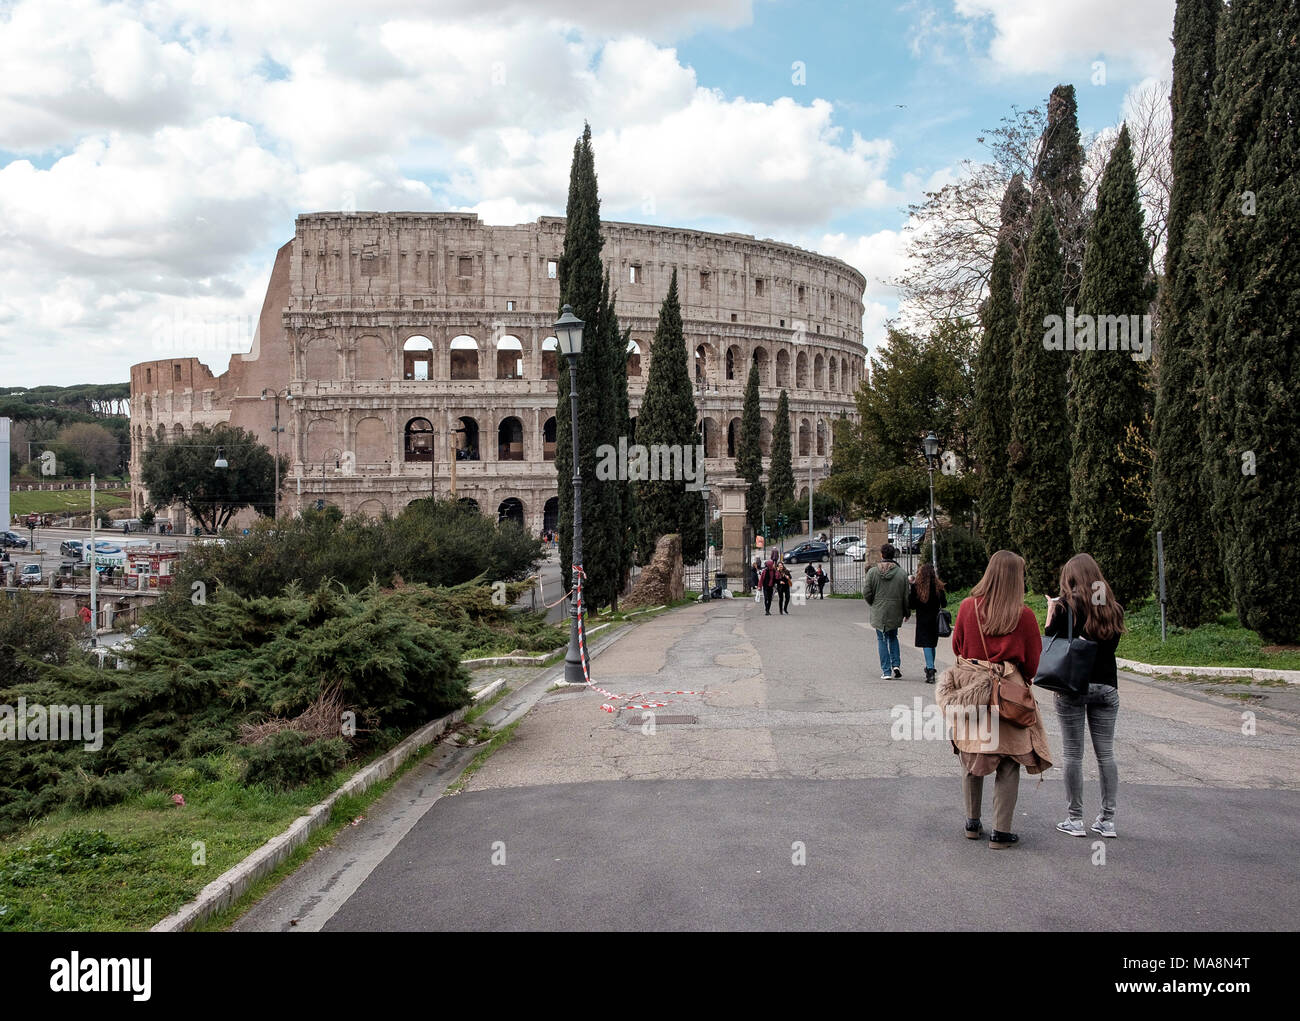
(749, 454)
(780, 476)
(1250, 287)
(1193, 570)
(581, 278)
(1110, 471)
(667, 418)
(605, 539)
(1016, 221)
(993, 397)
(1060, 173)
(627, 503)
(1039, 452)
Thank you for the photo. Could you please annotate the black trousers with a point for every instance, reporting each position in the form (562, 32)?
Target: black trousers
(783, 598)
(767, 599)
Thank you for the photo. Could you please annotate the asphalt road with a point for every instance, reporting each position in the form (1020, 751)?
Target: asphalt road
(783, 798)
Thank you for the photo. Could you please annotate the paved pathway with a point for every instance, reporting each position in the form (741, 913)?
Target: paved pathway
(597, 821)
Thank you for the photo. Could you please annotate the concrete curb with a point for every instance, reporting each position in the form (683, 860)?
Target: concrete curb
(236, 881)
(1255, 674)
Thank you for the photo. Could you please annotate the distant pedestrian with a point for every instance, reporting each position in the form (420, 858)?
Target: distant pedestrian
(927, 597)
(756, 569)
(886, 593)
(822, 579)
(784, 582)
(995, 634)
(1099, 618)
(768, 582)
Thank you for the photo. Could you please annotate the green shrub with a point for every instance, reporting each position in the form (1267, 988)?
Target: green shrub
(291, 759)
(961, 557)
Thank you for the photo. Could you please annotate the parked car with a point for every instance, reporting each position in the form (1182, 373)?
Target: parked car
(844, 542)
(12, 540)
(71, 548)
(858, 551)
(30, 575)
(808, 553)
(117, 649)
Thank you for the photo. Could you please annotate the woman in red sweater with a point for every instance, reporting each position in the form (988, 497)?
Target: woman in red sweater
(995, 626)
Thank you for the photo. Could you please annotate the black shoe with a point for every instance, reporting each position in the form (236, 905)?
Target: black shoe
(898, 672)
(1000, 841)
(973, 829)
(929, 676)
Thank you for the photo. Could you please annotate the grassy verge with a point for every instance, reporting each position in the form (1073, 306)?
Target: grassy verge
(499, 739)
(72, 501)
(1222, 643)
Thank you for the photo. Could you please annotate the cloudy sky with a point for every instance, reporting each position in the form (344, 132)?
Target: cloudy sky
(154, 154)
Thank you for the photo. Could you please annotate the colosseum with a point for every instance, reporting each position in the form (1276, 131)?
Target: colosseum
(411, 353)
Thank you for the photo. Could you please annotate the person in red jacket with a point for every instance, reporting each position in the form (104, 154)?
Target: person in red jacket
(995, 626)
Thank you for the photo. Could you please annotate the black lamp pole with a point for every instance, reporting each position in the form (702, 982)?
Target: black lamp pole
(569, 333)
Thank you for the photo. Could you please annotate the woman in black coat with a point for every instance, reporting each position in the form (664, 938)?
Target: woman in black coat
(927, 597)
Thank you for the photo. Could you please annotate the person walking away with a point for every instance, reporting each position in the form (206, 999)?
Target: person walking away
(783, 584)
(886, 593)
(768, 582)
(821, 581)
(995, 633)
(927, 597)
(1099, 618)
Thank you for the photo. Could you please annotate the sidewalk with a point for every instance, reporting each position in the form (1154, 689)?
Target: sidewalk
(789, 755)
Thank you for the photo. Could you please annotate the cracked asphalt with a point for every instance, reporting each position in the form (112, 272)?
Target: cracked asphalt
(784, 797)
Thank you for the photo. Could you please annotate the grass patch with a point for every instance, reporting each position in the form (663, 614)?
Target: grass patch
(128, 866)
(69, 501)
(499, 739)
(474, 714)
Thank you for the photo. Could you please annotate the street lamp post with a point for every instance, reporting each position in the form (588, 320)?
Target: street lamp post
(931, 452)
(277, 429)
(704, 570)
(568, 331)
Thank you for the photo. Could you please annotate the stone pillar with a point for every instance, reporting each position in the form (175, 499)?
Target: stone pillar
(731, 498)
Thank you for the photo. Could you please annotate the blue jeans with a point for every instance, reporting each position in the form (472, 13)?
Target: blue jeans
(929, 656)
(887, 645)
(1099, 709)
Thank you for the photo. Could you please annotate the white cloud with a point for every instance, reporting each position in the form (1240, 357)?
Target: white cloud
(1032, 36)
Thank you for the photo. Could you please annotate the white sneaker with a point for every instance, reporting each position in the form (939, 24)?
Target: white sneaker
(886, 677)
(1106, 829)
(1074, 827)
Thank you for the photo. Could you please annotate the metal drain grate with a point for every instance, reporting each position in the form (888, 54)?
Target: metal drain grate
(661, 721)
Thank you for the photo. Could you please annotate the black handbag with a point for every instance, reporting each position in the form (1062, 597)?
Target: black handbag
(945, 624)
(1066, 663)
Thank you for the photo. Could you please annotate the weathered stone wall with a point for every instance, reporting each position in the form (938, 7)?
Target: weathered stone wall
(374, 321)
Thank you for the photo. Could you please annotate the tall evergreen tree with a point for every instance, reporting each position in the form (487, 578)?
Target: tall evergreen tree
(581, 280)
(1039, 452)
(1110, 468)
(780, 476)
(1193, 569)
(627, 501)
(993, 396)
(667, 418)
(1250, 287)
(749, 454)
(1060, 173)
(1016, 221)
(609, 541)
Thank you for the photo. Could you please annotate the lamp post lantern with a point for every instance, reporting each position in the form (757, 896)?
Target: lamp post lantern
(568, 331)
(931, 452)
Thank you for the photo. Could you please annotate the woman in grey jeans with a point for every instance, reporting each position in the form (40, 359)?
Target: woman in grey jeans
(1098, 617)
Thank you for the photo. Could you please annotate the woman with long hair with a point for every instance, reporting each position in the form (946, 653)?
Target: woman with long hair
(995, 634)
(927, 597)
(1087, 597)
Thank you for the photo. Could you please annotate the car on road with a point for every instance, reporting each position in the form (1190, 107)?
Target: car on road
(71, 548)
(12, 540)
(858, 551)
(844, 542)
(30, 575)
(808, 553)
